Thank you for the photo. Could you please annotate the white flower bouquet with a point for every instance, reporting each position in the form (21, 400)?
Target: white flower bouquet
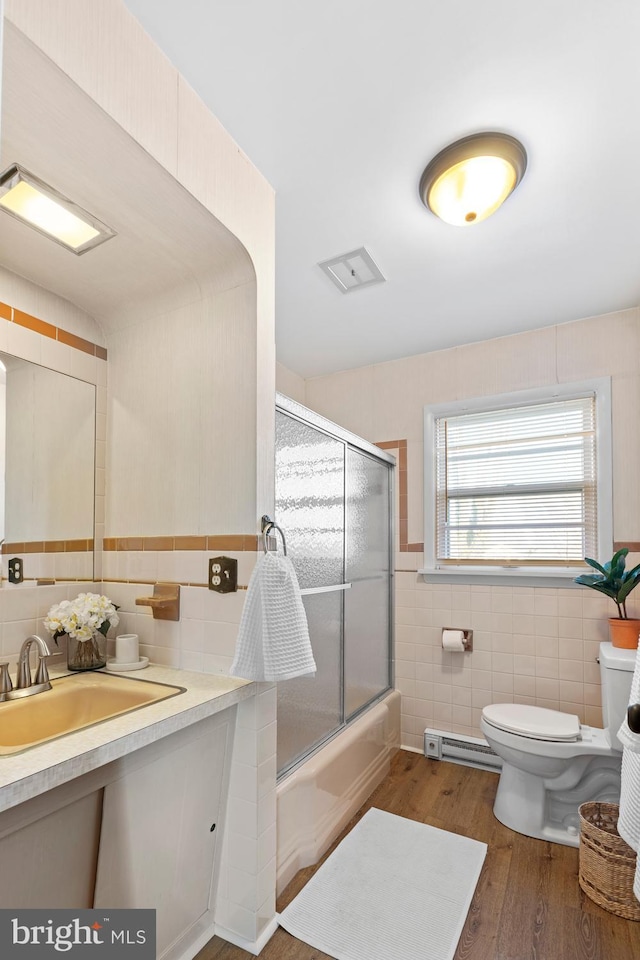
(82, 620)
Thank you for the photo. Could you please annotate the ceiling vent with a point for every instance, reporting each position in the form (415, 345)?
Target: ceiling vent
(352, 271)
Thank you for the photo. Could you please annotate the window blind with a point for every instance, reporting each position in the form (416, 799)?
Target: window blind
(517, 486)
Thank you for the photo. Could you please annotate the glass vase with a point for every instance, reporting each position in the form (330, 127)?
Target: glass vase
(87, 654)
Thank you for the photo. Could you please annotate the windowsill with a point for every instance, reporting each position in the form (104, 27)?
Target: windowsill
(503, 576)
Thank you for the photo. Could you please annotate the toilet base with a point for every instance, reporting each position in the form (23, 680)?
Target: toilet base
(548, 809)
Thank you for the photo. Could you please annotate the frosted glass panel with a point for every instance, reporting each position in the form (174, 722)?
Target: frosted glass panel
(366, 643)
(366, 628)
(332, 502)
(310, 500)
(309, 708)
(310, 510)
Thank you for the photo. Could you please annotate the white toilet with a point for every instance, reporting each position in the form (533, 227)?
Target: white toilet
(551, 763)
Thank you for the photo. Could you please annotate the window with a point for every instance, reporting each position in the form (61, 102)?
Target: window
(520, 481)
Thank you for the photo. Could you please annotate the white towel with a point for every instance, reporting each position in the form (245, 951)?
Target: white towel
(273, 640)
(629, 819)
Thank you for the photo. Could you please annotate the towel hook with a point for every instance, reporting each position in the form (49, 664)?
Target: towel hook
(267, 526)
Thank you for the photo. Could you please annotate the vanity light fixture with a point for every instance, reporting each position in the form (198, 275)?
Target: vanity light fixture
(468, 180)
(26, 197)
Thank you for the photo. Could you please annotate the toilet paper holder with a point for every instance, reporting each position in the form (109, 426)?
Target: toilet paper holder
(467, 637)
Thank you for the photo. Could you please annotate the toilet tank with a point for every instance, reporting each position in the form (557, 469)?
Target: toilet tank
(616, 672)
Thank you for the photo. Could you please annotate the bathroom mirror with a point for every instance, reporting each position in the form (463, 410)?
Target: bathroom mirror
(47, 464)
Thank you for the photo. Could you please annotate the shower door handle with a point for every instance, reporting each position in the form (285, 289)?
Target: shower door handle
(335, 586)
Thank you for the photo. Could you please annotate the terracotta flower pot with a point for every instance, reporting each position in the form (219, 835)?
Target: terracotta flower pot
(624, 633)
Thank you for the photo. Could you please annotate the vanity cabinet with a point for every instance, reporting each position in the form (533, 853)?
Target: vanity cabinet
(160, 827)
(33, 846)
(144, 830)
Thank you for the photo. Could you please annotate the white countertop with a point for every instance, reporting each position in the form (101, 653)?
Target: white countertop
(38, 769)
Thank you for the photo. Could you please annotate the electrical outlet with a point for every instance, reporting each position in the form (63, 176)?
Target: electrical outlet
(223, 574)
(432, 746)
(15, 570)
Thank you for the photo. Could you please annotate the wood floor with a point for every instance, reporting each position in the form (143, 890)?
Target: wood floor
(527, 905)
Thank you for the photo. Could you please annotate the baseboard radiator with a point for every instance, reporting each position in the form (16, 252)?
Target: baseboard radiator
(470, 751)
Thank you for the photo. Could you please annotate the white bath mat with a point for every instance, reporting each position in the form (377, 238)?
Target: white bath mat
(393, 889)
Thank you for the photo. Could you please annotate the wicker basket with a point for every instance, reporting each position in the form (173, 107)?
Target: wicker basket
(607, 863)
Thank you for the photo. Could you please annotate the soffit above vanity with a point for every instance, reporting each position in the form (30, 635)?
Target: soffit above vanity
(168, 247)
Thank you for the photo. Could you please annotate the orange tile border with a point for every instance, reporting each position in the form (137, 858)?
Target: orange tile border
(633, 546)
(45, 329)
(33, 323)
(36, 546)
(77, 342)
(77, 546)
(13, 548)
(403, 495)
(54, 546)
(151, 583)
(229, 542)
(237, 542)
(48, 546)
(189, 543)
(154, 543)
(129, 543)
(51, 581)
(146, 583)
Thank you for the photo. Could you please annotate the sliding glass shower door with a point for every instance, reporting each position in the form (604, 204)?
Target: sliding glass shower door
(333, 503)
(310, 510)
(367, 604)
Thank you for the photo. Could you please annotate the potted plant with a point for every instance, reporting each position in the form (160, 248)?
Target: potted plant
(617, 583)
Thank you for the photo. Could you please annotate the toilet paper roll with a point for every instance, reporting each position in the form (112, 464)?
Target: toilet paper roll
(453, 640)
(127, 649)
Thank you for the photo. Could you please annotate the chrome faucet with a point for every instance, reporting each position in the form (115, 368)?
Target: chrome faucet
(24, 670)
(24, 685)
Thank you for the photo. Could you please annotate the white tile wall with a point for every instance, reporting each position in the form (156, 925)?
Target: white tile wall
(204, 637)
(246, 896)
(23, 609)
(289, 383)
(202, 640)
(143, 92)
(182, 438)
(26, 296)
(530, 645)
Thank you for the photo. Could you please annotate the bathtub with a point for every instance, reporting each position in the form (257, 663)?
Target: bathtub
(319, 797)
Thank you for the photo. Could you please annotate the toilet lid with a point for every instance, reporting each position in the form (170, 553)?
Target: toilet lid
(536, 722)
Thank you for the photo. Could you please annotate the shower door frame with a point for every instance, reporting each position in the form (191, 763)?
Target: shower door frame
(298, 411)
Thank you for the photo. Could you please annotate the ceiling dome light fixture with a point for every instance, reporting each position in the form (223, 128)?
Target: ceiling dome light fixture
(468, 180)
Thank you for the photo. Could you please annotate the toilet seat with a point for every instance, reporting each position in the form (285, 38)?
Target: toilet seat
(538, 723)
